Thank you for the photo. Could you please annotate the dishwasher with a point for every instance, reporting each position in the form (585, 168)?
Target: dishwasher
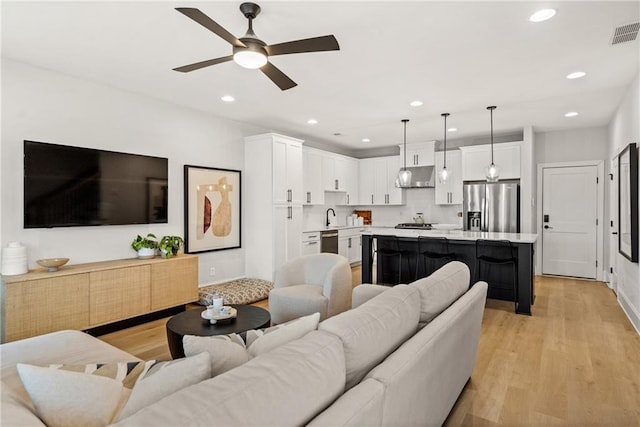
(329, 241)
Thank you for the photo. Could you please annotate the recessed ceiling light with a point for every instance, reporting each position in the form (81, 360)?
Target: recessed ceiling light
(452, 129)
(366, 140)
(312, 121)
(576, 75)
(542, 15)
(416, 103)
(571, 114)
(228, 98)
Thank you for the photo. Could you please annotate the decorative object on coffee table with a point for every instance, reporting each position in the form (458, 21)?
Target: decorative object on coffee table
(212, 209)
(52, 264)
(190, 322)
(239, 291)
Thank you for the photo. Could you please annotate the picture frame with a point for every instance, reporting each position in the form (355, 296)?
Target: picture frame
(628, 202)
(212, 211)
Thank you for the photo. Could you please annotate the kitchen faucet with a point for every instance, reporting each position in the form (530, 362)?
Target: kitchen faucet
(334, 214)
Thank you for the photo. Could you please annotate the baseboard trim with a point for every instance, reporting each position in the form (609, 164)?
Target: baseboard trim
(632, 314)
(134, 321)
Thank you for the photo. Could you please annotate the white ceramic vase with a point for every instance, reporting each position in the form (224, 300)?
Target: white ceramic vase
(145, 253)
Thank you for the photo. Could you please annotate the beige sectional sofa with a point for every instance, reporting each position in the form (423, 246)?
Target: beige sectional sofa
(401, 357)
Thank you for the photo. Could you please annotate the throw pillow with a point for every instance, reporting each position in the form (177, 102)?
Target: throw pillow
(230, 351)
(95, 394)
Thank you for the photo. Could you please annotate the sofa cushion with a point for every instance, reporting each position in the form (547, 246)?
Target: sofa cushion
(359, 406)
(94, 394)
(373, 330)
(439, 290)
(230, 351)
(284, 387)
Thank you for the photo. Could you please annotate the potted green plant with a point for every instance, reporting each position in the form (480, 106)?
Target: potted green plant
(170, 245)
(145, 246)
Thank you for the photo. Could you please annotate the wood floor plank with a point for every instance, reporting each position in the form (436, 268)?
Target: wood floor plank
(575, 362)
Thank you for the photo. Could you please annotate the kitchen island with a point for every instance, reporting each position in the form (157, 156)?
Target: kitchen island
(463, 244)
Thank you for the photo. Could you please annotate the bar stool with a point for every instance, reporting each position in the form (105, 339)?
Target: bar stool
(434, 249)
(391, 252)
(497, 252)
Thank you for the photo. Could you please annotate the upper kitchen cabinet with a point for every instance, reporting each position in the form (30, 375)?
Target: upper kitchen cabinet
(476, 158)
(312, 186)
(450, 192)
(419, 153)
(340, 173)
(377, 181)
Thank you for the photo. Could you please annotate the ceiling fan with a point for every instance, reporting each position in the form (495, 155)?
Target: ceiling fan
(251, 52)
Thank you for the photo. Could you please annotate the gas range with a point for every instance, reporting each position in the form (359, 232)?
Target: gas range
(414, 225)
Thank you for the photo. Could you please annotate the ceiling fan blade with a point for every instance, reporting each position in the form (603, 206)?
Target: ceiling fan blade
(210, 24)
(202, 64)
(314, 44)
(277, 76)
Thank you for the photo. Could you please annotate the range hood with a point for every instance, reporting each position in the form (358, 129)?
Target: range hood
(421, 177)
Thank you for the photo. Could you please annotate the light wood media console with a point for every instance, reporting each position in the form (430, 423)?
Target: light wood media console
(84, 296)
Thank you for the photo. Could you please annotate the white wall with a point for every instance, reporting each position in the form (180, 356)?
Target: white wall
(571, 145)
(624, 129)
(44, 106)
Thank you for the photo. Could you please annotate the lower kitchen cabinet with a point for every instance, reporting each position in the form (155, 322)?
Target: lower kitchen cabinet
(311, 243)
(350, 244)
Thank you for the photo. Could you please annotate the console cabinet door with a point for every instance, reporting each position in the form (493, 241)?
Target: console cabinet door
(119, 293)
(37, 307)
(174, 282)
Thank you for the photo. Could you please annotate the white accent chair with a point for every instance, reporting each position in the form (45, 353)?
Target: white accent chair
(309, 284)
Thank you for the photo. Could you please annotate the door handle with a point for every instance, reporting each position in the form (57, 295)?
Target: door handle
(546, 227)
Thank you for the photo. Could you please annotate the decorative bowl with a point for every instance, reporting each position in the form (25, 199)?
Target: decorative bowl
(53, 263)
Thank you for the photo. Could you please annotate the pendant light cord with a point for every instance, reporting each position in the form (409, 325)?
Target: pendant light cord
(493, 107)
(405, 142)
(445, 115)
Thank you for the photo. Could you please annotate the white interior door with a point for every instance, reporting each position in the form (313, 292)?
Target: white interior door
(613, 226)
(569, 222)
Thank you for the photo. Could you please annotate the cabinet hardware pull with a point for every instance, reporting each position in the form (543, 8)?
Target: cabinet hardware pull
(289, 196)
(313, 243)
(349, 242)
(337, 184)
(417, 159)
(347, 198)
(289, 212)
(372, 199)
(308, 196)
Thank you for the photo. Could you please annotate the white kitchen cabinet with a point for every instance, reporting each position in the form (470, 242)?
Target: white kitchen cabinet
(418, 154)
(311, 243)
(271, 203)
(377, 181)
(287, 170)
(450, 192)
(312, 190)
(340, 174)
(476, 158)
(350, 244)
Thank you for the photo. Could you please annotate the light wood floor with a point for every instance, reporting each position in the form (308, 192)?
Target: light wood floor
(575, 362)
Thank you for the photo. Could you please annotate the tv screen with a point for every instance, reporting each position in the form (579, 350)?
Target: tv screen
(68, 186)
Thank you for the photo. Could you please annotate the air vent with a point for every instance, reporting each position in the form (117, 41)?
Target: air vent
(625, 33)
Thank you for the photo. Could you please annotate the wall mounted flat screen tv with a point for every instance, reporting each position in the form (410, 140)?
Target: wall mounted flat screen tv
(68, 186)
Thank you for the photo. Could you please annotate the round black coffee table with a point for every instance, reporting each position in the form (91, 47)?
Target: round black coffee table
(190, 322)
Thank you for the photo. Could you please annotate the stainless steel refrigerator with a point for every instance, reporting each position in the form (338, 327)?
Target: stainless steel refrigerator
(492, 206)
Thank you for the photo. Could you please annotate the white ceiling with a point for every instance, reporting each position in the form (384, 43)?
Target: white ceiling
(457, 57)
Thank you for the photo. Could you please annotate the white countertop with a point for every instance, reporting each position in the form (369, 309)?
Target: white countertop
(334, 227)
(452, 234)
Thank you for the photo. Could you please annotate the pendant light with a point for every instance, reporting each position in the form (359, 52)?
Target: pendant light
(404, 175)
(492, 171)
(444, 173)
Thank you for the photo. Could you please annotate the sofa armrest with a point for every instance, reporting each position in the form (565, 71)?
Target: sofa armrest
(366, 291)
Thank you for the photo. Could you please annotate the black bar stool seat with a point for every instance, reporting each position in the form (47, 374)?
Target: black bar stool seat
(391, 251)
(434, 252)
(497, 252)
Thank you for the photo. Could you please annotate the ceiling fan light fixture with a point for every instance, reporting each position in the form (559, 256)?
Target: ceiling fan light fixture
(251, 59)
